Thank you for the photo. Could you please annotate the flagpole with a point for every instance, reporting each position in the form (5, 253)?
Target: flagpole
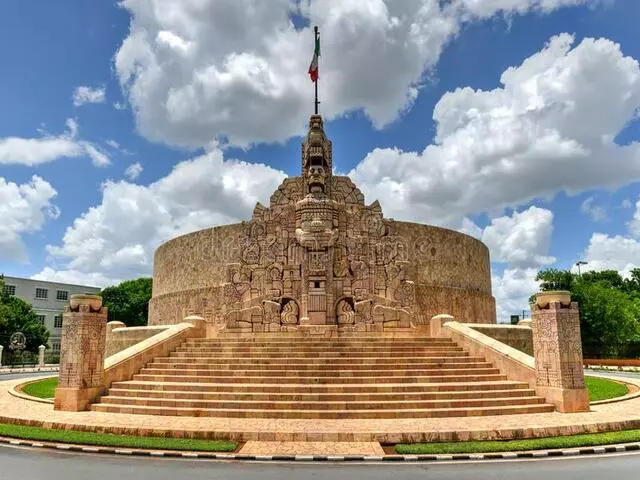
(315, 30)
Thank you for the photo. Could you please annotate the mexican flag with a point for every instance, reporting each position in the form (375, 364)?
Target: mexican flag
(313, 68)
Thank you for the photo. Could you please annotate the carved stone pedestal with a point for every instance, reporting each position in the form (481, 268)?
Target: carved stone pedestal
(557, 349)
(82, 354)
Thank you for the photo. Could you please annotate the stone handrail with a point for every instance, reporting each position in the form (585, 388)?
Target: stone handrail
(126, 363)
(120, 338)
(515, 364)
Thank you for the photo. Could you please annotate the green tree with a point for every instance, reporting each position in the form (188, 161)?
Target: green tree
(128, 302)
(554, 279)
(608, 316)
(18, 316)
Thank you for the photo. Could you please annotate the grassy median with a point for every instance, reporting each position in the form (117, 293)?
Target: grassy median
(109, 440)
(570, 441)
(604, 389)
(42, 389)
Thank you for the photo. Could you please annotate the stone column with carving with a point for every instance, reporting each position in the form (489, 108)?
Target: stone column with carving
(557, 349)
(81, 379)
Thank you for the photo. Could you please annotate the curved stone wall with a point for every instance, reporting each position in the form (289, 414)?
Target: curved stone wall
(451, 271)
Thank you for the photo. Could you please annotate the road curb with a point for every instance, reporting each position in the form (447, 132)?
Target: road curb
(534, 454)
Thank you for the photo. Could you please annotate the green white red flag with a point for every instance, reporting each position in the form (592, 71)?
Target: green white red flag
(313, 68)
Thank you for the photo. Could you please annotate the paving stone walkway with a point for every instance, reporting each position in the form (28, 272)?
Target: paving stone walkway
(612, 416)
(311, 448)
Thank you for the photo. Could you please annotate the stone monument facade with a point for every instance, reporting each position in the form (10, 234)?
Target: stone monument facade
(318, 257)
(557, 349)
(81, 379)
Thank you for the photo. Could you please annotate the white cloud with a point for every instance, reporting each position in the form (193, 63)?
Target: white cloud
(23, 209)
(617, 252)
(119, 106)
(75, 278)
(597, 213)
(133, 171)
(545, 130)
(116, 239)
(193, 70)
(83, 95)
(512, 291)
(626, 203)
(48, 148)
(634, 224)
(113, 144)
(521, 240)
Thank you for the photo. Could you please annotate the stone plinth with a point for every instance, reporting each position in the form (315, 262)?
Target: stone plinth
(82, 354)
(558, 356)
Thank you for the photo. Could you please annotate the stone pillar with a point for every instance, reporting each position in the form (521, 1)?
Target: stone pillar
(557, 349)
(435, 326)
(41, 350)
(82, 353)
(1, 349)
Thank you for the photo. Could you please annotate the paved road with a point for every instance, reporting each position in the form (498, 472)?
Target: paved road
(36, 464)
(12, 376)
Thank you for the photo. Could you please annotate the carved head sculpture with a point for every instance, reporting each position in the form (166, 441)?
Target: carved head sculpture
(316, 179)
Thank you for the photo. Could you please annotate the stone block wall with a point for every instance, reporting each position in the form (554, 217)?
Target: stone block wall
(451, 272)
(518, 337)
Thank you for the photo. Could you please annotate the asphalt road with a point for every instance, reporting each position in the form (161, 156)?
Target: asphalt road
(36, 464)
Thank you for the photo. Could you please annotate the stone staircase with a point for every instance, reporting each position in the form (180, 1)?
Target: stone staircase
(353, 376)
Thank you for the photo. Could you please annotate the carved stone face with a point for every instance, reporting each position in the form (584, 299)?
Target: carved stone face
(316, 178)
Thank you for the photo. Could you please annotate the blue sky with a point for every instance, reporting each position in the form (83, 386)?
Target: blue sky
(190, 91)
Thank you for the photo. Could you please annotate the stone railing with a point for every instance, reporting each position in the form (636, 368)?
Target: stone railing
(84, 373)
(556, 368)
(126, 363)
(516, 365)
(519, 337)
(120, 337)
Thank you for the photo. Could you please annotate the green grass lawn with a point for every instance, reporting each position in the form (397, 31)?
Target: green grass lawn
(571, 441)
(43, 389)
(604, 389)
(109, 440)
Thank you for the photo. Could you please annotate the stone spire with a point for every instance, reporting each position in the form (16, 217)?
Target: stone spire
(317, 161)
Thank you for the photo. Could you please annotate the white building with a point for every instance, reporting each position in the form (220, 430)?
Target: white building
(48, 300)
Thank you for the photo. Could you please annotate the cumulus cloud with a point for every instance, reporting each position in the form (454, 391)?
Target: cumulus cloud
(133, 171)
(521, 243)
(615, 252)
(193, 70)
(544, 130)
(115, 240)
(83, 95)
(48, 148)
(24, 209)
(521, 240)
(597, 213)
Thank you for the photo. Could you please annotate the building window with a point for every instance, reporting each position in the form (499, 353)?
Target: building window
(42, 293)
(62, 295)
(55, 347)
(41, 318)
(57, 321)
(10, 290)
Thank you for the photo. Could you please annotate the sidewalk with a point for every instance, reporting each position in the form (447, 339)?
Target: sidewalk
(621, 415)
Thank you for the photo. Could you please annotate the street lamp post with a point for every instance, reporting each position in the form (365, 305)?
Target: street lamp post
(578, 263)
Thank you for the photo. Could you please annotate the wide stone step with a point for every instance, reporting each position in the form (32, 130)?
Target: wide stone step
(327, 372)
(322, 397)
(317, 343)
(303, 360)
(406, 378)
(297, 388)
(322, 354)
(293, 365)
(325, 405)
(325, 414)
(312, 350)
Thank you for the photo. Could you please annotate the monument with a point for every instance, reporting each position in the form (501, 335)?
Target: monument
(318, 258)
